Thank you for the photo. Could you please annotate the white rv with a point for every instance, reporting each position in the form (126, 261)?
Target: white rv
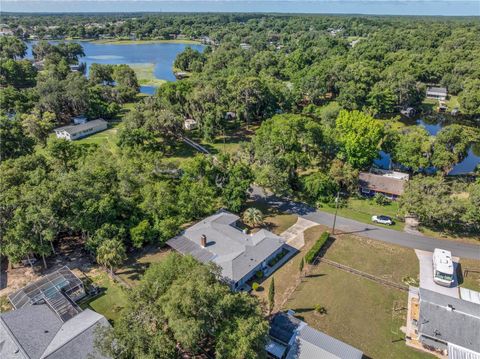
(442, 267)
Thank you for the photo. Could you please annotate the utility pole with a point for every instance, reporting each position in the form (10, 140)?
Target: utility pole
(336, 210)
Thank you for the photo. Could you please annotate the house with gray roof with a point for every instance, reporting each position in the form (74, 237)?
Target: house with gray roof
(292, 338)
(218, 239)
(37, 332)
(75, 132)
(437, 93)
(449, 325)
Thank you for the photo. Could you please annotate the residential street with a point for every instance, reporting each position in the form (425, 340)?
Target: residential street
(459, 249)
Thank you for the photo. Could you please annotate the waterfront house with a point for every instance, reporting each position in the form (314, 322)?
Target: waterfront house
(389, 183)
(437, 93)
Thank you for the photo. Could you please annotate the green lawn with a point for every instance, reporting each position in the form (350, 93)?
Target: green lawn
(111, 301)
(274, 220)
(109, 136)
(360, 312)
(143, 42)
(145, 74)
(362, 210)
(132, 271)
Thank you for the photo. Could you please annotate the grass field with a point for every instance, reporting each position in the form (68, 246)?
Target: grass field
(143, 42)
(109, 136)
(145, 74)
(112, 300)
(362, 210)
(472, 279)
(359, 312)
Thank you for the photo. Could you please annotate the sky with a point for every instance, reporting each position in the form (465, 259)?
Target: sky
(371, 7)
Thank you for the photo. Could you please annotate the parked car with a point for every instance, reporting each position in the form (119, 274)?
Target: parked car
(383, 220)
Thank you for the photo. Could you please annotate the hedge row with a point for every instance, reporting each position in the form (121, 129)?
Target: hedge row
(313, 252)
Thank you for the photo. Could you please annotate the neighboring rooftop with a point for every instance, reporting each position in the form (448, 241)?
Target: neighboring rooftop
(236, 252)
(449, 319)
(390, 182)
(36, 332)
(293, 337)
(312, 344)
(58, 289)
(73, 129)
(437, 90)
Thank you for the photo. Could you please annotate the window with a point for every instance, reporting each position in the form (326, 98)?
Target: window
(443, 276)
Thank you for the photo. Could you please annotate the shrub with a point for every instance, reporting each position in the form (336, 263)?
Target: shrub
(313, 252)
(255, 286)
(259, 274)
(380, 199)
(320, 309)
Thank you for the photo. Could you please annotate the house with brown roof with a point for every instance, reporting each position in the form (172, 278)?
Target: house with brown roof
(389, 183)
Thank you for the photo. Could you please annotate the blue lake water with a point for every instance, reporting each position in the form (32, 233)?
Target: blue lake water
(161, 54)
(468, 165)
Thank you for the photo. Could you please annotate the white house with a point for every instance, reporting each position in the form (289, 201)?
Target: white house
(437, 93)
(74, 132)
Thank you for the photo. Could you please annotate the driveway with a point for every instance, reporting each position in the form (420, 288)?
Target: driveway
(426, 275)
(424, 243)
(294, 236)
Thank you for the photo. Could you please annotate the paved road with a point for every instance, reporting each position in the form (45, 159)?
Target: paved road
(459, 249)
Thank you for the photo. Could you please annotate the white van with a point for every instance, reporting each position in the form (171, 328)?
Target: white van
(442, 267)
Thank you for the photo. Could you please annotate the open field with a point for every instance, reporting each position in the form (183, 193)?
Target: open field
(360, 312)
(109, 136)
(142, 42)
(145, 74)
(111, 301)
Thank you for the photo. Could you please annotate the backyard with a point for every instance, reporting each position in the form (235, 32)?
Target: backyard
(339, 291)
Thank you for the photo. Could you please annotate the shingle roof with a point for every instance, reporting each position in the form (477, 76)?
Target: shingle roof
(283, 327)
(449, 319)
(237, 253)
(379, 183)
(73, 129)
(36, 332)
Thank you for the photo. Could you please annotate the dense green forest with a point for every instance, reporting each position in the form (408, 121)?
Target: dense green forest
(319, 95)
(325, 107)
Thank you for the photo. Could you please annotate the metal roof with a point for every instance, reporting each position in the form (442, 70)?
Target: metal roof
(73, 129)
(438, 90)
(449, 319)
(53, 289)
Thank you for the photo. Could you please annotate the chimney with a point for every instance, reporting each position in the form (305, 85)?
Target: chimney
(203, 240)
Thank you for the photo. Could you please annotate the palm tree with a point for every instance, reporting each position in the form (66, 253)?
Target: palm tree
(253, 217)
(111, 254)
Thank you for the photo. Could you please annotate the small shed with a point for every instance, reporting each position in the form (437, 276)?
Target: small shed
(190, 124)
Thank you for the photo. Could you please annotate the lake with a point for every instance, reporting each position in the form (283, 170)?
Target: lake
(162, 55)
(433, 126)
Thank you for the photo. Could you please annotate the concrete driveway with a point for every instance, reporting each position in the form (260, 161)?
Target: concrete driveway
(294, 235)
(426, 275)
